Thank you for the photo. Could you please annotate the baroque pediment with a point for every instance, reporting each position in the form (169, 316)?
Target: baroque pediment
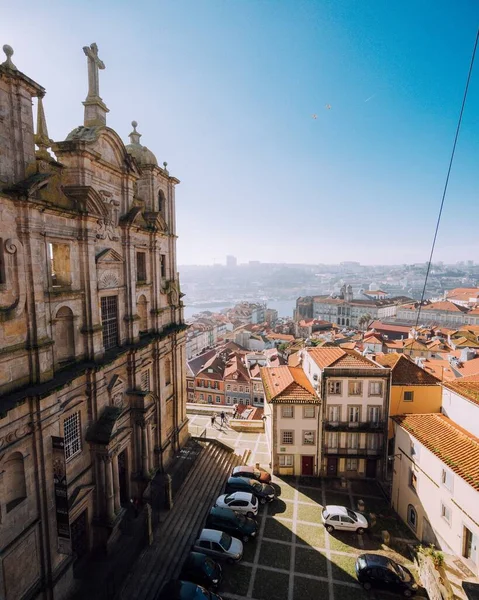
(156, 221)
(105, 428)
(134, 217)
(108, 256)
(87, 199)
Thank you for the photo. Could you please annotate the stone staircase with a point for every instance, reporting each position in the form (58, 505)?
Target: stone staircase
(173, 539)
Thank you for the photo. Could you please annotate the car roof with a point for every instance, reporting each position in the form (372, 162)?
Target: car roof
(210, 535)
(196, 558)
(334, 509)
(223, 511)
(247, 496)
(246, 480)
(176, 588)
(240, 468)
(376, 560)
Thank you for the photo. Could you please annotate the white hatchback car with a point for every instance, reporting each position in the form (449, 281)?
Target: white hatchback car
(344, 519)
(242, 502)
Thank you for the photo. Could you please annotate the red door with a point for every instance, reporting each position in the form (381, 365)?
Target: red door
(307, 465)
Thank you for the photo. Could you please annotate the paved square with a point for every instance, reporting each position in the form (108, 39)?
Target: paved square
(295, 558)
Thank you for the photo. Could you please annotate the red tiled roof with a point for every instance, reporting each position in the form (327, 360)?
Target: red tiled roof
(385, 327)
(444, 305)
(468, 387)
(287, 385)
(340, 358)
(405, 371)
(324, 357)
(463, 293)
(453, 445)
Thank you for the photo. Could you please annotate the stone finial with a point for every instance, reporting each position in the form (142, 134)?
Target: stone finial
(134, 135)
(41, 137)
(9, 53)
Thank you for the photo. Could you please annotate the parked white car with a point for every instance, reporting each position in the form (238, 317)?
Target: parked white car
(242, 502)
(219, 545)
(344, 519)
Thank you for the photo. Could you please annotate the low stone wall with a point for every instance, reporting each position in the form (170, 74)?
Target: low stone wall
(247, 425)
(433, 579)
(208, 409)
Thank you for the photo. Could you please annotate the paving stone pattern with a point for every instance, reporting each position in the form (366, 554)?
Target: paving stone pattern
(293, 557)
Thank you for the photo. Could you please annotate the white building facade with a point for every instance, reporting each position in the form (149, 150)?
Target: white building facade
(436, 483)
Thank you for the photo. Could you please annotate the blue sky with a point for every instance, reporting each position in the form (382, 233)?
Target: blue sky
(224, 91)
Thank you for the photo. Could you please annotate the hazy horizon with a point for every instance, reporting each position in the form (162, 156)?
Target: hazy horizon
(298, 129)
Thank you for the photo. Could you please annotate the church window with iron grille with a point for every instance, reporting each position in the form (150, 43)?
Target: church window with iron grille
(72, 435)
(109, 321)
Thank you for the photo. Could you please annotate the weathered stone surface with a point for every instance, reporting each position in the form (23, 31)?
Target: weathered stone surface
(70, 231)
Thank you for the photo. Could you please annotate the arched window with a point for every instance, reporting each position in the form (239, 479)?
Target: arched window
(15, 486)
(64, 335)
(161, 202)
(167, 371)
(142, 311)
(412, 516)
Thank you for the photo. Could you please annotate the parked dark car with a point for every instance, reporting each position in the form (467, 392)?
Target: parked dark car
(185, 590)
(376, 571)
(201, 569)
(263, 491)
(252, 473)
(227, 520)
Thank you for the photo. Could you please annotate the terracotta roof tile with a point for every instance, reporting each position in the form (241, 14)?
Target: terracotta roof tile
(324, 357)
(452, 444)
(468, 387)
(340, 358)
(287, 384)
(405, 371)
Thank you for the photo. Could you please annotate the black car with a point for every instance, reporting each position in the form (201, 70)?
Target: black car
(376, 571)
(263, 491)
(236, 524)
(201, 569)
(185, 590)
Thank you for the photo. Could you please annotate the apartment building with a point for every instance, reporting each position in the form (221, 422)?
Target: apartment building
(292, 421)
(354, 392)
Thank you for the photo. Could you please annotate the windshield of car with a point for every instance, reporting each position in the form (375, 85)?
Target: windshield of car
(403, 574)
(229, 498)
(352, 514)
(256, 486)
(362, 562)
(225, 541)
(202, 594)
(209, 567)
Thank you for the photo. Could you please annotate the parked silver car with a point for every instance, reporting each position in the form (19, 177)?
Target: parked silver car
(219, 545)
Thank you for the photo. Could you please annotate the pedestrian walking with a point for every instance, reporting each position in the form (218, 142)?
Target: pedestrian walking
(223, 418)
(213, 420)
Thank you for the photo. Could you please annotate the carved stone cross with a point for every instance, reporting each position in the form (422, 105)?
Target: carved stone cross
(94, 63)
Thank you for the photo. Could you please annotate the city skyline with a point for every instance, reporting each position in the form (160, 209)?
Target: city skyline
(317, 128)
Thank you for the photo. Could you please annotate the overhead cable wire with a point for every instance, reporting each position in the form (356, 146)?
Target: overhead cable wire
(447, 178)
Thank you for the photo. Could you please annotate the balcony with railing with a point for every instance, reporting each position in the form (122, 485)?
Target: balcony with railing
(359, 426)
(359, 452)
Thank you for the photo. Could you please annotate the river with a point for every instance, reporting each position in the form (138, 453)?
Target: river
(285, 308)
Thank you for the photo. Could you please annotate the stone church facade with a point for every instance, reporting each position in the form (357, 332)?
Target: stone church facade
(92, 337)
